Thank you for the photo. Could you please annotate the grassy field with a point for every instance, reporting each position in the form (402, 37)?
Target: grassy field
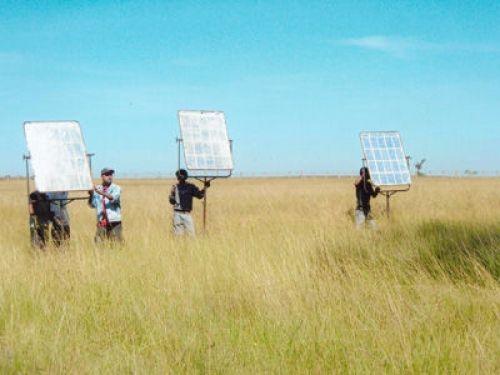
(281, 283)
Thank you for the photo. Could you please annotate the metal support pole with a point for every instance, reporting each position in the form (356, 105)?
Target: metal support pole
(26, 159)
(205, 206)
(31, 220)
(89, 158)
(179, 140)
(387, 206)
(205, 180)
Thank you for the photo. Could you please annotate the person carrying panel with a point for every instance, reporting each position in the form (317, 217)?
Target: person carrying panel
(105, 198)
(181, 197)
(60, 223)
(364, 192)
(40, 218)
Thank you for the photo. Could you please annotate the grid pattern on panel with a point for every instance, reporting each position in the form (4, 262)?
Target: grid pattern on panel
(385, 158)
(205, 140)
(58, 156)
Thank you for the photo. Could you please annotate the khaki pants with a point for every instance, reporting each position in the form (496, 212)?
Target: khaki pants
(183, 223)
(363, 220)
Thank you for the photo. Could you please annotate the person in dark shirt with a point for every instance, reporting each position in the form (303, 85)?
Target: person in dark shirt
(364, 192)
(181, 197)
(41, 217)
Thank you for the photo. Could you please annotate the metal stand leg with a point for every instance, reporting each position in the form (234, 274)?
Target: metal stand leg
(32, 222)
(387, 205)
(178, 140)
(205, 207)
(26, 158)
(89, 158)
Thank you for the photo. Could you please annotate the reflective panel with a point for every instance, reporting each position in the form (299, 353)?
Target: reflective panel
(385, 158)
(205, 140)
(58, 156)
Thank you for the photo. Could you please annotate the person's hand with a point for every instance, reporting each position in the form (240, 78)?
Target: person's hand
(97, 190)
(377, 189)
(207, 184)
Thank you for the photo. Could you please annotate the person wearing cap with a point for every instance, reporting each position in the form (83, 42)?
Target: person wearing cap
(105, 198)
(364, 192)
(60, 222)
(181, 197)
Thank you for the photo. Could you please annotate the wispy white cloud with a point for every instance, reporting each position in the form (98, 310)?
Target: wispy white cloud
(404, 46)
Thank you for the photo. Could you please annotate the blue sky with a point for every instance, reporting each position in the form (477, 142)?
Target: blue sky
(297, 80)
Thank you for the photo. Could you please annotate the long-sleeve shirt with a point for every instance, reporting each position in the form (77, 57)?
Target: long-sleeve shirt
(41, 206)
(112, 214)
(364, 191)
(182, 196)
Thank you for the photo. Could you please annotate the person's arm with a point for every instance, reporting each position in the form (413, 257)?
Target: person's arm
(66, 201)
(374, 192)
(358, 181)
(171, 197)
(197, 192)
(31, 204)
(203, 191)
(91, 201)
(114, 196)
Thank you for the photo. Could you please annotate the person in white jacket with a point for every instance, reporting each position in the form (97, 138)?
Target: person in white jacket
(105, 198)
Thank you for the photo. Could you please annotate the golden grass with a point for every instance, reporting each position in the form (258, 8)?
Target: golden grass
(281, 283)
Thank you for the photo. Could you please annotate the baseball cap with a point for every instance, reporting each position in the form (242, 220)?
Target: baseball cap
(107, 171)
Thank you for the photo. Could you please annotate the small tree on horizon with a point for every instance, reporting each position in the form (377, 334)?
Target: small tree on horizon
(419, 166)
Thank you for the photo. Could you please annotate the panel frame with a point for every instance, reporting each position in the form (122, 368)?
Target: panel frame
(207, 173)
(385, 187)
(29, 159)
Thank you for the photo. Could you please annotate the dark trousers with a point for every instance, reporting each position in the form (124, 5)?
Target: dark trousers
(40, 229)
(112, 232)
(39, 232)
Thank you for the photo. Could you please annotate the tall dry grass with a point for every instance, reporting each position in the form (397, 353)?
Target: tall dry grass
(281, 283)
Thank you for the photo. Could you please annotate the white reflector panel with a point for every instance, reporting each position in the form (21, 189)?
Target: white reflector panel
(58, 156)
(385, 158)
(205, 140)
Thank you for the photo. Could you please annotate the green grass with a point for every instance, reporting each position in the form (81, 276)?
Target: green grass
(461, 250)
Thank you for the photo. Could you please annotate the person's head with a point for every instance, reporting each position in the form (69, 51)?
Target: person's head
(107, 175)
(181, 175)
(365, 173)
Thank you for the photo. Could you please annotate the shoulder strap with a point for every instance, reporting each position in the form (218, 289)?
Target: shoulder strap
(177, 198)
(103, 201)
